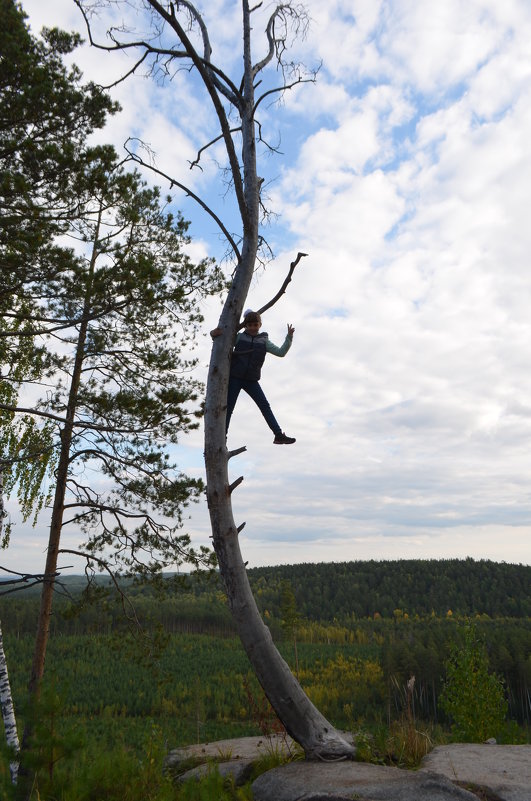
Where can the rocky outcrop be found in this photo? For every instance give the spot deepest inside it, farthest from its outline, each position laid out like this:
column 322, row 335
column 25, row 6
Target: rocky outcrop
column 502, row 772
column 344, row 781
column 239, row 748
column 239, row 770
column 459, row 772
column 230, row 757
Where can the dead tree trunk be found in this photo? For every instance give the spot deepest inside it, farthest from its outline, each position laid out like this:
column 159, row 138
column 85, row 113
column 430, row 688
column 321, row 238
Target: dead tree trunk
column 235, row 100
column 300, row 717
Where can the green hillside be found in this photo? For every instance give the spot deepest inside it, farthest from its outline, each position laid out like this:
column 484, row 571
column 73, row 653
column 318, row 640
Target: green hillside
column 338, row 593
column 416, row 587
column 359, row 633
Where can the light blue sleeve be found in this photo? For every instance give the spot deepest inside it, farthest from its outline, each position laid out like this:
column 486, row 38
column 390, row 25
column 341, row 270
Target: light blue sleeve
column 279, row 351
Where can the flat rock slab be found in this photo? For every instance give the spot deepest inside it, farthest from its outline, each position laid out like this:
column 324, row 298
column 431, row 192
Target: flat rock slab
column 464, row 772
column 504, row 769
column 345, row 781
column 239, row 748
column 239, row 770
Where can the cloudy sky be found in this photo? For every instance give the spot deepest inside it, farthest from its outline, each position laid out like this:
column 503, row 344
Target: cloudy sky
column 405, row 175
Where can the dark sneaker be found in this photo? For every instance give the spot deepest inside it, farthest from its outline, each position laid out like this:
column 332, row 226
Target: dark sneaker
column 282, row 439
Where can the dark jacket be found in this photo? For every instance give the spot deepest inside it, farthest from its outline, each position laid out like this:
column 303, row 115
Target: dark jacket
column 248, row 356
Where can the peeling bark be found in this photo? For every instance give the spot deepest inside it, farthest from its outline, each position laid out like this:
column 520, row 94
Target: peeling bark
column 6, row 699
column 8, row 710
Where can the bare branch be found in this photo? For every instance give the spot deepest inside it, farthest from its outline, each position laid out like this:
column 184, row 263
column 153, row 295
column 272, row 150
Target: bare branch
column 77, row 423
column 212, row 86
column 130, row 72
column 236, row 452
column 221, row 81
column 122, row 45
column 272, row 148
column 282, row 289
column 235, row 484
column 205, row 147
column 125, row 600
column 188, row 192
column 214, row 79
column 195, row 15
column 284, row 14
column 225, row 85
column 284, row 88
column 25, row 580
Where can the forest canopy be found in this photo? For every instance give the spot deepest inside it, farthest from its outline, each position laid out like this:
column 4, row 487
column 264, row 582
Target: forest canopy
column 343, row 592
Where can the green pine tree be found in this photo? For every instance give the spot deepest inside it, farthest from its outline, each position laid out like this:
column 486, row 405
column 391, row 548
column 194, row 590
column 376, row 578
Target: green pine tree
column 46, row 115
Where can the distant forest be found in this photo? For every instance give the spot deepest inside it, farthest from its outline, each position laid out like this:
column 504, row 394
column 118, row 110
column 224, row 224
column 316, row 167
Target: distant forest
column 348, row 590
column 401, row 616
column 328, row 593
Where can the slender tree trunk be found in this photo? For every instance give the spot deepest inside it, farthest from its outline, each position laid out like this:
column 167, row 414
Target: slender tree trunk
column 54, row 538
column 3, row 512
column 8, row 710
column 6, row 699
column 301, row 718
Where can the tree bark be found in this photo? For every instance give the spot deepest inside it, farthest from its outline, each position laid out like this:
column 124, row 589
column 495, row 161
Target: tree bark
column 301, row 718
column 54, row 538
column 8, row 710
column 6, row 699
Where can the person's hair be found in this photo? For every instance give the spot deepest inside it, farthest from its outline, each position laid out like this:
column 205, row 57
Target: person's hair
column 252, row 317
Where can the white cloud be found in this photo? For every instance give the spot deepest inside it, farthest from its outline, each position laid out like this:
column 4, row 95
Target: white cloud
column 407, row 180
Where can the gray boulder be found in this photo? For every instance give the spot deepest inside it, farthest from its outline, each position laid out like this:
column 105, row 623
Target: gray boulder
column 234, row 757
column 504, row 771
column 240, row 771
column 344, row 781
column 228, row 750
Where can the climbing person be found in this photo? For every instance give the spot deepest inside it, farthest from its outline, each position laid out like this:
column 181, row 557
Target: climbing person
column 248, row 357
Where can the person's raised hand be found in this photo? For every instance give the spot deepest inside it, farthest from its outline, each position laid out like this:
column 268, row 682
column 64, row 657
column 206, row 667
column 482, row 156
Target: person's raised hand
column 291, row 330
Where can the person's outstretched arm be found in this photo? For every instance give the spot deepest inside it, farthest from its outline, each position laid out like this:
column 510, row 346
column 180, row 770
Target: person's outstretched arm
column 286, row 345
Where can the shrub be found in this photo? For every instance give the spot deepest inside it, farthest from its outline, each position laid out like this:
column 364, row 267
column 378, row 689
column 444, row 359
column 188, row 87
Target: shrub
column 473, row 698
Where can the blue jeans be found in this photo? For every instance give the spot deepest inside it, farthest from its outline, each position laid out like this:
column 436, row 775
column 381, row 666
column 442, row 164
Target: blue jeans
column 255, row 391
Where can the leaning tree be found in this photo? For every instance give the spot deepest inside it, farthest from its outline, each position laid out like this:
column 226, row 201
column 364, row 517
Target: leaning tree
column 179, row 38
